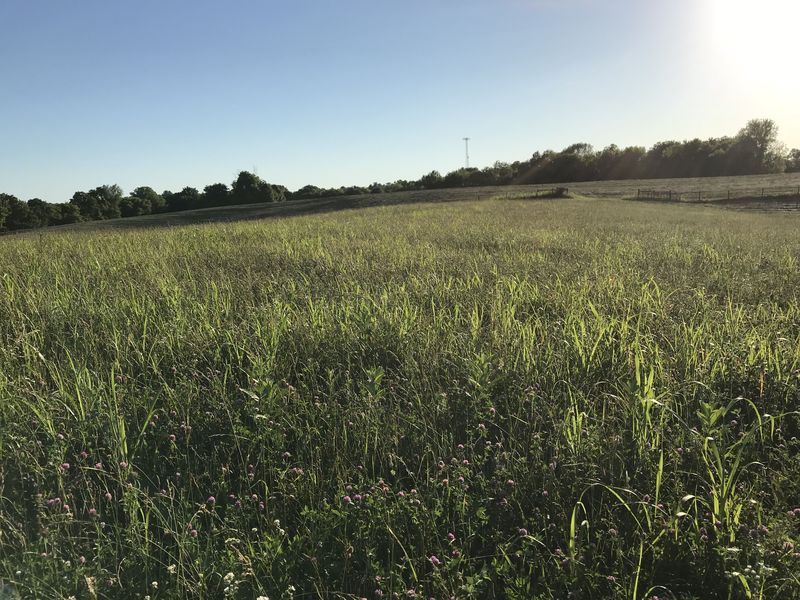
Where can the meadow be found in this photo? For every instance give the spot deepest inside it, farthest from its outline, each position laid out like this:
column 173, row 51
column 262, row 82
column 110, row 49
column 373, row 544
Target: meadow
column 744, row 190
column 500, row 398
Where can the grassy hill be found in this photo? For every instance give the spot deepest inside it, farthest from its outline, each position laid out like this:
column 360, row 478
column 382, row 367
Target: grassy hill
column 585, row 398
column 747, row 188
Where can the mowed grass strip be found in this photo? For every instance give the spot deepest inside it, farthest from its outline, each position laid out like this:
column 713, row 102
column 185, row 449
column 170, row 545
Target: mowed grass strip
column 517, row 399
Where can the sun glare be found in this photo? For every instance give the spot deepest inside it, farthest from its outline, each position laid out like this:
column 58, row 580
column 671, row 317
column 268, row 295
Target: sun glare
column 755, row 41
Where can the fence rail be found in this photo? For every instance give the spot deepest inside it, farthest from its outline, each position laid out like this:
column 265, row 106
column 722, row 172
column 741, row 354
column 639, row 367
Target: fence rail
column 722, row 195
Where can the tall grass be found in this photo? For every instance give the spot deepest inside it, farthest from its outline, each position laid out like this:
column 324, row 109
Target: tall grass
column 512, row 399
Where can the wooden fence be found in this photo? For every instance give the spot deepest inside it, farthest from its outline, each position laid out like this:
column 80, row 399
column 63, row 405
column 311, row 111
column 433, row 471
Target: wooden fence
column 766, row 194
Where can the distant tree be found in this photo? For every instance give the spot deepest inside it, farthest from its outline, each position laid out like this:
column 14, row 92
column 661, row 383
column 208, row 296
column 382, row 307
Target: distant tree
column 109, row 197
column 759, row 149
column 280, row 193
column 793, row 161
column 503, row 172
column 573, row 163
column 250, row 188
column 614, row 163
column 156, row 200
column 19, row 215
column 719, row 160
column 5, row 209
column 100, row 203
column 459, row 178
column 431, row 181
column 308, row 191
column 353, row 190
column 87, row 205
column 65, row 214
column 132, row 206
column 630, row 163
column 187, row 199
column 216, row 194
column 42, row 213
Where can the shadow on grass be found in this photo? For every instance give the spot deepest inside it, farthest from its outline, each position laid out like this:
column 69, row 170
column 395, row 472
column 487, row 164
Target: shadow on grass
column 291, row 208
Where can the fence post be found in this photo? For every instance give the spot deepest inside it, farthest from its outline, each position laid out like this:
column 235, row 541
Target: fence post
column 670, row 194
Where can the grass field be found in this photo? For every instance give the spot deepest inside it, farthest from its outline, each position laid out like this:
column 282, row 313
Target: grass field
column 745, row 187
column 587, row 398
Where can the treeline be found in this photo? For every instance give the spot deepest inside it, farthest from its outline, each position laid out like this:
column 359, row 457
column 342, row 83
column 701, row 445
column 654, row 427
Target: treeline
column 754, row 150
column 109, row 202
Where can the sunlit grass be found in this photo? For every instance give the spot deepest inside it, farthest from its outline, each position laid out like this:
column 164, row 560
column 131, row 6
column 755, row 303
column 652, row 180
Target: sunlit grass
column 486, row 399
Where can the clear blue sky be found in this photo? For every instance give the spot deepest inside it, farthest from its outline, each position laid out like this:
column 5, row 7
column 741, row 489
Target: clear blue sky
column 170, row 93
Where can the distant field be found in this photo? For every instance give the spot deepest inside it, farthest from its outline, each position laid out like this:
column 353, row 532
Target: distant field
column 717, row 186
column 583, row 398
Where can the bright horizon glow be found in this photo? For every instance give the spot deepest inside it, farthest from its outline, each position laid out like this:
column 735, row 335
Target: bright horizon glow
column 190, row 92
column 755, row 41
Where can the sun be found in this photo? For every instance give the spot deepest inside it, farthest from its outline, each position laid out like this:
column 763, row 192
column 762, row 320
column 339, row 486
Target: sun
column 756, row 40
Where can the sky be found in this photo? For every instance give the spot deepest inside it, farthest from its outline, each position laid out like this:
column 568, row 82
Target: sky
column 175, row 93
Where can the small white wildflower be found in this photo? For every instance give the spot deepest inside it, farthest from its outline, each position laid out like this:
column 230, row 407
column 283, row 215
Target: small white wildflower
column 154, row 585
column 172, row 569
column 263, row 598
column 228, row 578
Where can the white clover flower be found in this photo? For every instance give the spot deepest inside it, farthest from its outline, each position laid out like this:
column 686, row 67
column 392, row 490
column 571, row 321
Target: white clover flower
column 229, row 577
column 263, row 598
column 172, row 569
